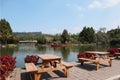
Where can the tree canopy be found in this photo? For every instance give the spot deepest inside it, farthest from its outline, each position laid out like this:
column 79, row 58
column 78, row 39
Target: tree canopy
column 114, row 36
column 87, row 35
column 5, row 30
column 65, row 36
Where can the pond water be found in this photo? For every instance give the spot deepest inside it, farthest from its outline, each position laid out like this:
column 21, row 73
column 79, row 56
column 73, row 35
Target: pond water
column 68, row 54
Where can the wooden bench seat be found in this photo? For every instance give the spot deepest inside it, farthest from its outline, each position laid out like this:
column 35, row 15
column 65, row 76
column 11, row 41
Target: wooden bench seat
column 30, row 67
column 67, row 67
column 97, row 62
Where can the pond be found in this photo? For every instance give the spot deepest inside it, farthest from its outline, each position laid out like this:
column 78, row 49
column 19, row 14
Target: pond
column 68, row 54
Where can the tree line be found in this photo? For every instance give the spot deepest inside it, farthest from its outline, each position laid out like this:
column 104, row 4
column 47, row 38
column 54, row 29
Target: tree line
column 86, row 36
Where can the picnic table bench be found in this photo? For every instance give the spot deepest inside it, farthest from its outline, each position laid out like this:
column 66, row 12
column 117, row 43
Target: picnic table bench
column 31, row 68
column 67, row 67
column 97, row 62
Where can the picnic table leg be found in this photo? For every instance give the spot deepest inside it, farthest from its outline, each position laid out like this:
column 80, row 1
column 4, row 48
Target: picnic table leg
column 53, row 63
column 66, row 73
column 97, row 65
column 110, row 62
column 37, row 76
column 82, row 62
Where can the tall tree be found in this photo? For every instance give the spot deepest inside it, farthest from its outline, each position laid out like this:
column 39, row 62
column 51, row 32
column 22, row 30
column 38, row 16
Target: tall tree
column 42, row 40
column 65, row 36
column 5, row 30
column 57, row 38
column 102, row 37
column 114, row 36
column 87, row 35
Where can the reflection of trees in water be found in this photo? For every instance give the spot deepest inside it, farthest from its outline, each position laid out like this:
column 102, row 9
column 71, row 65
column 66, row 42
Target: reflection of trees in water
column 42, row 48
column 65, row 52
column 102, row 47
column 7, row 51
column 86, row 48
column 56, row 49
column 93, row 48
column 74, row 48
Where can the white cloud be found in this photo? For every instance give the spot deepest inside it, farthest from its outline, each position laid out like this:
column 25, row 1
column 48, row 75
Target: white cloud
column 75, row 7
column 104, row 3
column 79, row 8
column 95, row 4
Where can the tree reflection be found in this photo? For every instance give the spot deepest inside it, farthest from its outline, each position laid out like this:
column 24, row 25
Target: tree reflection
column 65, row 52
column 41, row 48
column 83, row 48
column 7, row 51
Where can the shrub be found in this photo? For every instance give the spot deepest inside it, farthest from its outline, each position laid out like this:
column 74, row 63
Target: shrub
column 113, row 50
column 7, row 64
column 86, row 55
column 31, row 59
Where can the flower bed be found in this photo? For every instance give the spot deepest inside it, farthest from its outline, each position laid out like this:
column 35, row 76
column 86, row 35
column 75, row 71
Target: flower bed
column 113, row 50
column 32, row 58
column 86, row 55
column 7, row 64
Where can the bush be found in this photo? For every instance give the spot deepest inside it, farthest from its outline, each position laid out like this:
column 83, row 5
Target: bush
column 31, row 59
column 115, row 42
column 113, row 50
column 86, row 55
column 7, row 64
column 42, row 40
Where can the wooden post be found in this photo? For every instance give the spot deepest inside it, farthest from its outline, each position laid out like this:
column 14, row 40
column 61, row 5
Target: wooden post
column 82, row 62
column 97, row 65
column 110, row 62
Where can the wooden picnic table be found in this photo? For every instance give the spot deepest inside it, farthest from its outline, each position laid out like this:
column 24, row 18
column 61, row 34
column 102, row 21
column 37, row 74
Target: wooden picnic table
column 49, row 63
column 99, row 58
column 48, row 58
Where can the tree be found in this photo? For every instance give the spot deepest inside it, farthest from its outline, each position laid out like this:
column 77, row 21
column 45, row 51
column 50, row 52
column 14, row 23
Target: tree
column 5, row 30
column 56, row 38
column 114, row 36
column 87, row 35
column 74, row 38
column 65, row 36
column 102, row 37
column 42, row 40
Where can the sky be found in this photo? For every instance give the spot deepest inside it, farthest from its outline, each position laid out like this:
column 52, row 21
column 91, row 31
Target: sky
column 53, row 16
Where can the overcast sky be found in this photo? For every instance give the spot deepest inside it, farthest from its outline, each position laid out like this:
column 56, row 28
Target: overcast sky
column 53, row 16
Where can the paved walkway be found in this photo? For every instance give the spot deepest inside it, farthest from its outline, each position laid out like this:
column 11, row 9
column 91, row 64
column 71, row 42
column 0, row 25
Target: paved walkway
column 86, row 72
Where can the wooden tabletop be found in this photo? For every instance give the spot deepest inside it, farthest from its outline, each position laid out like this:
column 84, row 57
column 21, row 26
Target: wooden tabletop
column 49, row 57
column 97, row 52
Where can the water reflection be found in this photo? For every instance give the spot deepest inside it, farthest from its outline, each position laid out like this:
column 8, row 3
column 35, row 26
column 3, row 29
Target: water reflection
column 67, row 53
column 7, row 51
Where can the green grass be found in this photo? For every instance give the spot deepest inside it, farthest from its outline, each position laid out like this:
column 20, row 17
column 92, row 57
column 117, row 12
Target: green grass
column 12, row 45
